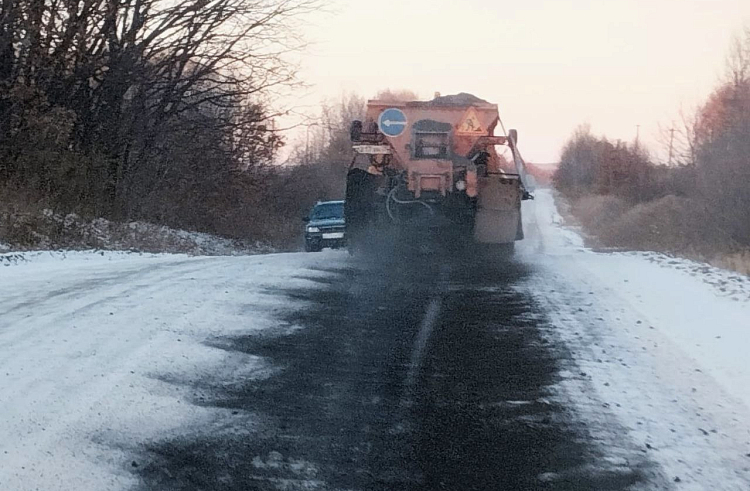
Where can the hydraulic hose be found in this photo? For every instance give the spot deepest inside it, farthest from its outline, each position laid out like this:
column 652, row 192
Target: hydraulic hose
column 392, row 197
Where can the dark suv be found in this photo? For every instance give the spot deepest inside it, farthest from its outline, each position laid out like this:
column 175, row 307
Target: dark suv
column 325, row 226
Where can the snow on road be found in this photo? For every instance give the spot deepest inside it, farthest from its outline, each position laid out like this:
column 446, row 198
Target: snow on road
column 662, row 343
column 89, row 343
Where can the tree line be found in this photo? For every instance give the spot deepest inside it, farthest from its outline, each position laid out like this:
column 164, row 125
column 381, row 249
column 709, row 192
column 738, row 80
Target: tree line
column 708, row 184
column 147, row 109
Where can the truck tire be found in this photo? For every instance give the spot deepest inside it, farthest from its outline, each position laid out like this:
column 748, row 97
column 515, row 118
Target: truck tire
column 507, row 250
column 358, row 206
column 496, row 252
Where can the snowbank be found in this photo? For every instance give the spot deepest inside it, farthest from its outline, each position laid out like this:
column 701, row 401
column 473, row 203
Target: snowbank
column 24, row 231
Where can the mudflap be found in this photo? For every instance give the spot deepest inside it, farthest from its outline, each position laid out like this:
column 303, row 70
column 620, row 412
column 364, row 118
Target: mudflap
column 498, row 215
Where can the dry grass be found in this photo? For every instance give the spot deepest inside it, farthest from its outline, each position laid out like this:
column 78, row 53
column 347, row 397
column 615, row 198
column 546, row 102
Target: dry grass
column 597, row 214
column 670, row 224
column 736, row 261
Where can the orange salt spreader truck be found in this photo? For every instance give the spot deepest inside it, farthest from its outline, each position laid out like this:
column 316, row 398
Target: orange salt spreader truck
column 431, row 170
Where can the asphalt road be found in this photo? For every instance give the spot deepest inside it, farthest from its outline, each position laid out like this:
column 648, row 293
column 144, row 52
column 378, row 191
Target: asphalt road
column 423, row 374
column 561, row 369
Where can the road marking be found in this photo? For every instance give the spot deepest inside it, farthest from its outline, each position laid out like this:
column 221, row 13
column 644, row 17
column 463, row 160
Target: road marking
column 425, row 331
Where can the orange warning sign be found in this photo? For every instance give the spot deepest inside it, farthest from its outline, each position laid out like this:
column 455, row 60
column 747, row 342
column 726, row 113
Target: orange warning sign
column 470, row 125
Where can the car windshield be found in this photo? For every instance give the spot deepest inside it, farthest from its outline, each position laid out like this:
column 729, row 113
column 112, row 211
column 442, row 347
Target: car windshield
column 328, row 211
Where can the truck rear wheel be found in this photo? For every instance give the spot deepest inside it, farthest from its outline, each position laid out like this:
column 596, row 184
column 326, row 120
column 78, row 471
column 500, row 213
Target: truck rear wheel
column 496, row 252
column 358, row 206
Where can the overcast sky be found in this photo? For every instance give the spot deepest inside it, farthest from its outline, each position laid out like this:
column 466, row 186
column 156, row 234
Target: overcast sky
column 550, row 65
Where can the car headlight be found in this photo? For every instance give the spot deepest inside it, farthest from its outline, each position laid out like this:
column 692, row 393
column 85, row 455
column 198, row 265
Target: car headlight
column 313, row 229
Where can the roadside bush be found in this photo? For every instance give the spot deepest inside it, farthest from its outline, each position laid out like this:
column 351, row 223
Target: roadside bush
column 599, row 213
column 736, row 261
column 669, row 224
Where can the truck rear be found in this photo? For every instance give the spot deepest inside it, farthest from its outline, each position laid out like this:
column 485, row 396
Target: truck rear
column 431, row 171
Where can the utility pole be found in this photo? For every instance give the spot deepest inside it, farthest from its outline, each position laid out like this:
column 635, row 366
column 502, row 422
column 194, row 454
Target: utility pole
column 637, row 134
column 671, row 145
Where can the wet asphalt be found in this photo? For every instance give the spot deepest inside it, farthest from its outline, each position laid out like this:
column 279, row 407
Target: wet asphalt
column 418, row 374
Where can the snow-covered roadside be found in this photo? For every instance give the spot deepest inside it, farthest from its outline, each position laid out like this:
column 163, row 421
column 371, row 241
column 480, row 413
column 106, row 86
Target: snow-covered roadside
column 89, row 345
column 45, row 230
column 62, row 258
column 662, row 343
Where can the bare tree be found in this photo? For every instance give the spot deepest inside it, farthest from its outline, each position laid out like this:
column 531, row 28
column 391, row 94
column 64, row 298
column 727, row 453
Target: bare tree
column 737, row 64
column 143, row 108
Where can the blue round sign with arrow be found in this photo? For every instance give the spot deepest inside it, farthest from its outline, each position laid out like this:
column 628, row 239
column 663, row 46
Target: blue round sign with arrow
column 392, row 122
